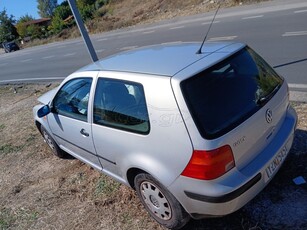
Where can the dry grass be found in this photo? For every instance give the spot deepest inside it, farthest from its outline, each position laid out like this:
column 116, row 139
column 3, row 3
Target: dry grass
column 40, row 191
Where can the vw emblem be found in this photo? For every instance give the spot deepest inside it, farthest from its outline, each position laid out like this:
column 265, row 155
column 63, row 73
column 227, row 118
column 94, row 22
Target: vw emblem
column 269, row 116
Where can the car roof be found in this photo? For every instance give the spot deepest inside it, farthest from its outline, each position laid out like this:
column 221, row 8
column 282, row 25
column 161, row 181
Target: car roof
column 167, row 59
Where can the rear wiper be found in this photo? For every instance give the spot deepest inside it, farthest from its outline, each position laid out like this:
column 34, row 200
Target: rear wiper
column 263, row 100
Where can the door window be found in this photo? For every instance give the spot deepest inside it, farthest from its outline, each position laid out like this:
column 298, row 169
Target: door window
column 72, row 99
column 122, row 105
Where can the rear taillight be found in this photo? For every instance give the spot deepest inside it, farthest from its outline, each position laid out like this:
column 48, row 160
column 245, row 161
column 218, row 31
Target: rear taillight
column 208, row 165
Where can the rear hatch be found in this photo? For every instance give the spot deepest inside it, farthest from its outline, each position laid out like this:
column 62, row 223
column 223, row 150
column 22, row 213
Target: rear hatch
column 240, row 102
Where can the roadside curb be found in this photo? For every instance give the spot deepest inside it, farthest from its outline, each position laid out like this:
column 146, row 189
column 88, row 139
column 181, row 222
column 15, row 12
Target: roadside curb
column 297, row 96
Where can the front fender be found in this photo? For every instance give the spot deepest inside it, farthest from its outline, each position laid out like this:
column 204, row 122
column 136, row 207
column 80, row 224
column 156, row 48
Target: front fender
column 40, row 121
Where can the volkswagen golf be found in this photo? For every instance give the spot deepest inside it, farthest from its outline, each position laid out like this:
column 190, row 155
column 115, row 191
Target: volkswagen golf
column 196, row 134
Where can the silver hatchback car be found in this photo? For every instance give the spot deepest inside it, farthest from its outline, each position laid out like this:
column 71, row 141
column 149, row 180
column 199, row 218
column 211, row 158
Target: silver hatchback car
column 195, row 134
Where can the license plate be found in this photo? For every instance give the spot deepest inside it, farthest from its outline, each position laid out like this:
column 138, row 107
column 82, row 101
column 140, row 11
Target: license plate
column 276, row 162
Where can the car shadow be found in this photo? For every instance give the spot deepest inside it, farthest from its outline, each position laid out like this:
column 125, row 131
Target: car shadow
column 281, row 205
column 67, row 156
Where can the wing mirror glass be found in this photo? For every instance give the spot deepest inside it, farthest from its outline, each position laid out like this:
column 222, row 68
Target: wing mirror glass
column 45, row 110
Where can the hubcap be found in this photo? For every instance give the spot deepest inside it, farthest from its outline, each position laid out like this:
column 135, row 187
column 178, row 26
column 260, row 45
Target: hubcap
column 48, row 141
column 156, row 201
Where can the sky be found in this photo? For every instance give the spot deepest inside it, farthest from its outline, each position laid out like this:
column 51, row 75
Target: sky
column 19, row 8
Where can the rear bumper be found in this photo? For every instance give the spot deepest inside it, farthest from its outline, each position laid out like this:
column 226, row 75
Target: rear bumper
column 236, row 188
column 227, row 197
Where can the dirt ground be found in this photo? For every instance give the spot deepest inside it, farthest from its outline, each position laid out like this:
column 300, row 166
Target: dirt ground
column 40, row 191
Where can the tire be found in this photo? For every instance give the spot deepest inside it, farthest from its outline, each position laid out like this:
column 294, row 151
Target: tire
column 159, row 202
column 52, row 144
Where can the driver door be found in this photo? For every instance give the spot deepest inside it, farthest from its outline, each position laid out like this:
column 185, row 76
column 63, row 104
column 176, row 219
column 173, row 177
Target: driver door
column 69, row 120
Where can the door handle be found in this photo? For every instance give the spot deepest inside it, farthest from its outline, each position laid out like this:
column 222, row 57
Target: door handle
column 84, row 133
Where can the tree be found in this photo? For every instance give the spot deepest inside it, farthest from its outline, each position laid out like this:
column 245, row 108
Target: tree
column 86, row 8
column 57, row 25
column 21, row 27
column 34, row 31
column 87, row 12
column 26, row 18
column 46, row 7
column 62, row 11
column 84, row 3
column 8, row 31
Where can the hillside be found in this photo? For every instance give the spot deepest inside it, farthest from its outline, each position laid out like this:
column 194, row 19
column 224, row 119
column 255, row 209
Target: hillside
column 123, row 13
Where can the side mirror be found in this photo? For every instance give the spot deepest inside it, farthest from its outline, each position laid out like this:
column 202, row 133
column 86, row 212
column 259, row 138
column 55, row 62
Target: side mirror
column 45, row 110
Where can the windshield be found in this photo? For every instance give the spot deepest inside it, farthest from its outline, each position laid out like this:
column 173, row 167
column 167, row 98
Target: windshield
column 223, row 96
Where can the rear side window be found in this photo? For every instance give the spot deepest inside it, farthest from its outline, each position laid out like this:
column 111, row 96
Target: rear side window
column 225, row 95
column 121, row 104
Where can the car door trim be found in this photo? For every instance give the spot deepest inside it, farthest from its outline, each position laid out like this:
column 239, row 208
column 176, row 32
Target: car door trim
column 112, row 162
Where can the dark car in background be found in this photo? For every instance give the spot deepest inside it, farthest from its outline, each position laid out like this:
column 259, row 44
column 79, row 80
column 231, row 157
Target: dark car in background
column 10, row 46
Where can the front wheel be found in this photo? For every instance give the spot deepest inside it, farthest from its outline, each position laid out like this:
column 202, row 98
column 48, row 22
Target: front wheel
column 159, row 202
column 52, row 144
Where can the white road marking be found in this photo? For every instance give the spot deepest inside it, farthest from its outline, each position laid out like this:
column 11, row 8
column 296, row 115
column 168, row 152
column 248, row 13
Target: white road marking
column 60, row 47
column 102, row 39
column 228, row 38
column 124, row 36
column 297, row 86
column 31, row 79
column 296, row 33
column 253, row 17
column 177, row 27
column 27, row 60
column 208, row 23
column 69, row 54
column 128, row 48
column 99, row 51
column 48, row 57
column 297, row 92
column 149, row 32
column 298, row 96
column 170, row 43
column 300, row 11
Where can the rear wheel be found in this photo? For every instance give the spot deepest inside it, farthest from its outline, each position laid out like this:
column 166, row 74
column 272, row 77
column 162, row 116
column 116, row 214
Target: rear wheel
column 52, row 144
column 159, row 202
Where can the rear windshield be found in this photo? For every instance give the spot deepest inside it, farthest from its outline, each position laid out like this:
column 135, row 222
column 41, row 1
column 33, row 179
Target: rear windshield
column 223, row 96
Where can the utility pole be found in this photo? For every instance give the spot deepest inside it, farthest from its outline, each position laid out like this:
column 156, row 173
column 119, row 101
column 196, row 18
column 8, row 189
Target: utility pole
column 85, row 36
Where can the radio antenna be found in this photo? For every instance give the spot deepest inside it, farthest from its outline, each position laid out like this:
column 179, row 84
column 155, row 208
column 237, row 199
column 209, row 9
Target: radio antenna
column 202, row 44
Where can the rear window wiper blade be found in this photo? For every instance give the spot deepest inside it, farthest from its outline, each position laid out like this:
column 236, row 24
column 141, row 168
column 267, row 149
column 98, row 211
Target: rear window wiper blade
column 263, row 100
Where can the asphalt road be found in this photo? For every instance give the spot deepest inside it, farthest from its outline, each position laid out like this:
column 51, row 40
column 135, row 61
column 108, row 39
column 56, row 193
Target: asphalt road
column 276, row 29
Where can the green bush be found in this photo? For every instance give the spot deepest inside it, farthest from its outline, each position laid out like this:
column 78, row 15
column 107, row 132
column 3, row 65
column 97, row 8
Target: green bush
column 87, row 12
